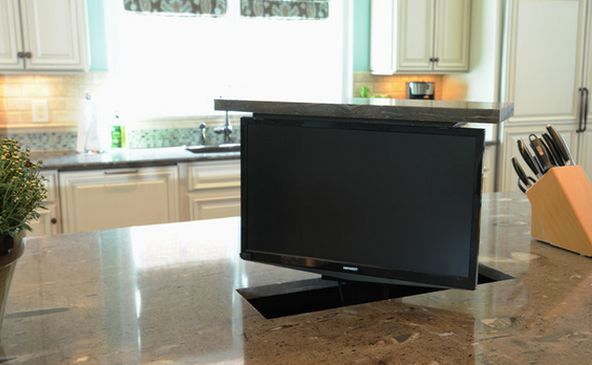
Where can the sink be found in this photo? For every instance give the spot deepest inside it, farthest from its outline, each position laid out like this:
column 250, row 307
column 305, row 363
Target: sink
column 225, row 147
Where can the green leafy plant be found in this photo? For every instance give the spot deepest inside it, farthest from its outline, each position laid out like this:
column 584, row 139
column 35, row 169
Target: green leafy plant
column 22, row 189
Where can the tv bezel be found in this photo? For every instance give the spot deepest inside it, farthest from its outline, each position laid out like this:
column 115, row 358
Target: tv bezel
column 342, row 270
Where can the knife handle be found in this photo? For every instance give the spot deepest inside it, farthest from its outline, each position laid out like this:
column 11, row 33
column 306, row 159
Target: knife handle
column 528, row 158
column 540, row 153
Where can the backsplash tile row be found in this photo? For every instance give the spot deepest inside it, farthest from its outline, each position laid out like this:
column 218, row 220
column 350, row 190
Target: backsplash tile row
column 45, row 141
column 142, row 138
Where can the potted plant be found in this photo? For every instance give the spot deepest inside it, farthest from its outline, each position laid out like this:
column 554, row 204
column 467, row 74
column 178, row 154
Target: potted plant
column 22, row 191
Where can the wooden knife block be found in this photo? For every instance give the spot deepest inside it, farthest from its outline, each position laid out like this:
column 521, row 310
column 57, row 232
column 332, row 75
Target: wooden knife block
column 561, row 204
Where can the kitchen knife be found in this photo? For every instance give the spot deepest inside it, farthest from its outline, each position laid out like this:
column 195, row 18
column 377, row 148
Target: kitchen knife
column 524, row 182
column 528, row 158
column 561, row 145
column 553, row 150
column 540, row 153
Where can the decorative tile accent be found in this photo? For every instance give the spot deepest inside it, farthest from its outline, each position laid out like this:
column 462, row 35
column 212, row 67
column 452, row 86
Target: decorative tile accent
column 177, row 7
column 47, row 141
column 289, row 9
column 153, row 138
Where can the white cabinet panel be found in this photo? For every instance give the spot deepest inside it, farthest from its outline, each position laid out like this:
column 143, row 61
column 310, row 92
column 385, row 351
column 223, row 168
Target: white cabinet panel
column 544, row 66
column 215, row 203
column 210, row 189
column 10, row 35
column 419, row 36
column 55, row 32
column 415, row 32
column 452, row 29
column 488, row 181
column 101, row 199
column 214, row 174
column 585, row 152
column 47, row 224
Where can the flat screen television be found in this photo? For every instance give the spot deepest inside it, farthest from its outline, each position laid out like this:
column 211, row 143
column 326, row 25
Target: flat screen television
column 365, row 201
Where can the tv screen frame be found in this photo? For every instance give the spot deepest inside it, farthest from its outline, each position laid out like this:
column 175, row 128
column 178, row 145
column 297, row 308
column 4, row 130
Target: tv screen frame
column 354, row 271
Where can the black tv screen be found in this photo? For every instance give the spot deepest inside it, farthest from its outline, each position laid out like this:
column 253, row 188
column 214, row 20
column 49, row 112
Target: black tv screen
column 361, row 200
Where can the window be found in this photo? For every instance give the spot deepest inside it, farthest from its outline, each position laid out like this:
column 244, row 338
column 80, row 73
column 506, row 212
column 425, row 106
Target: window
column 167, row 66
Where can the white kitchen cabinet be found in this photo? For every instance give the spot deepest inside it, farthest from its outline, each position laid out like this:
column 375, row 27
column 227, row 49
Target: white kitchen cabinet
column 419, row 36
column 10, row 36
column 43, row 35
column 211, row 189
column 488, row 181
column 543, row 74
column 49, row 219
column 99, row 199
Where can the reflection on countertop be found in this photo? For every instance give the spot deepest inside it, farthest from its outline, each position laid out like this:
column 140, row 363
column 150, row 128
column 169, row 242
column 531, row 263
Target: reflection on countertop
column 166, row 294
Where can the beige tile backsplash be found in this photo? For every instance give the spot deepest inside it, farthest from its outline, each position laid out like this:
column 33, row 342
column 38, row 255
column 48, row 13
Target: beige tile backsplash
column 62, row 92
column 393, row 86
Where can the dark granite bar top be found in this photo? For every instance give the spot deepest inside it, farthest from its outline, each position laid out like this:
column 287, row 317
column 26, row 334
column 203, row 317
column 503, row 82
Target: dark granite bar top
column 166, row 294
column 125, row 158
column 433, row 111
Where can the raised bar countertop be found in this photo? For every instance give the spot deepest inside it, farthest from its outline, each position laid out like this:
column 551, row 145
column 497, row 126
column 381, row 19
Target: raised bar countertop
column 432, row 111
column 125, row 158
column 166, row 294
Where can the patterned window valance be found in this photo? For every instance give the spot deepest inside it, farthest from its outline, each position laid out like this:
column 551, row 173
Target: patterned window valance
column 290, row 9
column 177, row 7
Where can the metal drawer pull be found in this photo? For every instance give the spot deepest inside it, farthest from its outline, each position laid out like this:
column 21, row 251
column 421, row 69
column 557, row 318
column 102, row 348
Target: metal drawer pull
column 121, row 172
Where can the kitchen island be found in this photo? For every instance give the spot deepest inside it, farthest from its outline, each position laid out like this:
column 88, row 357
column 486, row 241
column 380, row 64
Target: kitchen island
column 166, row 294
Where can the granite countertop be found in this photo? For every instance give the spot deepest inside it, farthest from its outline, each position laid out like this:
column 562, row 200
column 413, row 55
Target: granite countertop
column 166, row 294
column 118, row 158
column 432, row 111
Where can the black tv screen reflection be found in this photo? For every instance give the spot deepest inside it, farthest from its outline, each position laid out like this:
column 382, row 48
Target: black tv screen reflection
column 363, row 201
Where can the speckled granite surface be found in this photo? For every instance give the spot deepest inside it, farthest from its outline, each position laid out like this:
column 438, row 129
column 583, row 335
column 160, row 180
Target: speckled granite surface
column 432, row 111
column 166, row 295
column 117, row 158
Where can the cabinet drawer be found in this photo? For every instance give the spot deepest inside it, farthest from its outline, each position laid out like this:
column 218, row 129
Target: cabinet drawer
column 213, row 174
column 102, row 199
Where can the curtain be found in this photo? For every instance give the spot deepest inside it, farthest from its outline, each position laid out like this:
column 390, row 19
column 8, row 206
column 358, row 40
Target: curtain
column 178, row 7
column 289, row 9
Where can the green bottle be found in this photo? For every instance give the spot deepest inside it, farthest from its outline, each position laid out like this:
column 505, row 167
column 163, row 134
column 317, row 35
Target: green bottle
column 117, row 134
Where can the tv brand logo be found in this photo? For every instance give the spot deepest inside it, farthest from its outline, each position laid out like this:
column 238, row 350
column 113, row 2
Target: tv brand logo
column 350, row 268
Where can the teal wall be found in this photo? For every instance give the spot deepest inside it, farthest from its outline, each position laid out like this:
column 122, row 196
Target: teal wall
column 97, row 35
column 361, row 35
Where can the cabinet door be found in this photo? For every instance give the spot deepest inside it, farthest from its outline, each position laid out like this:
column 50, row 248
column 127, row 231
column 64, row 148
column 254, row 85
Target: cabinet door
column 415, row 28
column 92, row 200
column 544, row 63
column 47, row 224
column 55, row 32
column 10, row 36
column 451, row 35
column 214, row 203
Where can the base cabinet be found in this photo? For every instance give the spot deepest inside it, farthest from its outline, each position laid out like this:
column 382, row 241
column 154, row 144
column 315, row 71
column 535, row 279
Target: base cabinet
column 101, row 199
column 49, row 218
column 211, row 189
column 214, row 203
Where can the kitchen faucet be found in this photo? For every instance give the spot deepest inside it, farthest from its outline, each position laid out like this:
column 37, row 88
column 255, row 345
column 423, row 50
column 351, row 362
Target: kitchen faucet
column 226, row 129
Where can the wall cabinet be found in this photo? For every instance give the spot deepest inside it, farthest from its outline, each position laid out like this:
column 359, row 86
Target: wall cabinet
column 43, row 35
column 99, row 199
column 49, row 220
column 547, row 70
column 211, row 189
column 419, row 36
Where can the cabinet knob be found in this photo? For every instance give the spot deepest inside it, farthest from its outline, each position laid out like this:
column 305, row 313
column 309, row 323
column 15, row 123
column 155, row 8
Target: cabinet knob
column 28, row 55
column 437, row 59
column 53, row 220
column 20, row 54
